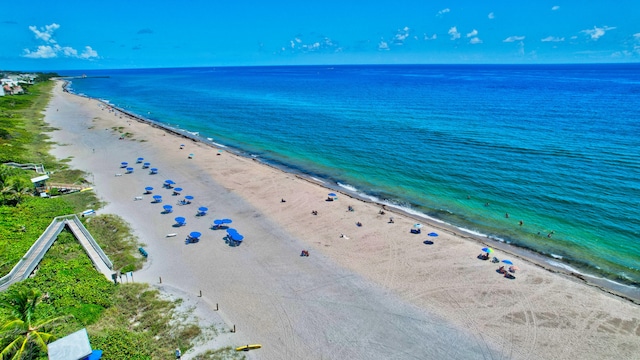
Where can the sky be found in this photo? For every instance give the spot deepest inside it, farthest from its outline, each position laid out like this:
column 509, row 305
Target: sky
column 75, row 35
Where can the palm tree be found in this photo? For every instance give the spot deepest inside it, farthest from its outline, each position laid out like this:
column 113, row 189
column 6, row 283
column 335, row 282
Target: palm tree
column 23, row 335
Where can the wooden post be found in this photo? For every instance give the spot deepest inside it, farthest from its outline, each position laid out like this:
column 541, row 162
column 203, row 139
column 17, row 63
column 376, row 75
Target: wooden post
column 216, row 306
column 160, row 279
column 200, row 293
column 234, row 328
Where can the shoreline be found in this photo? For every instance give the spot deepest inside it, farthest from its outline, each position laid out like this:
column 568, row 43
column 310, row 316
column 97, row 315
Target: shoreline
column 374, row 293
column 612, row 287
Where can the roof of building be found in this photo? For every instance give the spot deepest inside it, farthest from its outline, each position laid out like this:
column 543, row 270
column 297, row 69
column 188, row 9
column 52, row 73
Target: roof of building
column 75, row 346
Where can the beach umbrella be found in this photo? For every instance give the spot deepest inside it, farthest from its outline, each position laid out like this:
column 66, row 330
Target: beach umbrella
column 124, row 164
column 432, row 234
column 195, row 234
column 178, row 189
column 508, row 262
column 153, row 171
column 488, row 250
column 146, row 165
column 218, row 222
column 226, row 221
column 236, row 237
column 169, row 182
column 191, row 156
column 232, row 231
column 139, row 160
column 129, row 169
column 168, row 208
column 157, row 198
column 203, row 209
column 332, row 194
column 180, row 220
column 418, row 226
column 188, row 197
column 148, row 189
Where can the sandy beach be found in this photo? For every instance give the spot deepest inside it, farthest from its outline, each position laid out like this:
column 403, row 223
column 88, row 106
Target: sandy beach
column 374, row 291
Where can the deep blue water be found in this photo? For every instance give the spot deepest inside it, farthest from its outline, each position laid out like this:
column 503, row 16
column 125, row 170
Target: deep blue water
column 556, row 146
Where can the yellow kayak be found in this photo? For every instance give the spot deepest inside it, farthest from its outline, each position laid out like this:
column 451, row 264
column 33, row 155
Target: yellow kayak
column 248, row 347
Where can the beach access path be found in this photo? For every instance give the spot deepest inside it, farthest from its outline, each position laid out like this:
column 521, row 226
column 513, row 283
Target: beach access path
column 379, row 293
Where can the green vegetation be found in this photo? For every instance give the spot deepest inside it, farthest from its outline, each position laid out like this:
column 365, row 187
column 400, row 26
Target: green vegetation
column 127, row 321
column 117, row 241
column 24, row 331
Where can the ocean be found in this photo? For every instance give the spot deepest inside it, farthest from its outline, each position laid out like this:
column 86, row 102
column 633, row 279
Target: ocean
column 544, row 157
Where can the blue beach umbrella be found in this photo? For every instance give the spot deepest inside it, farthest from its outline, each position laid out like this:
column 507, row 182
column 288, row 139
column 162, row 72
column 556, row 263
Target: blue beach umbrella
column 153, row 171
column 203, row 209
column 188, row 197
column 157, row 198
column 139, row 160
column 148, row 189
column 180, row 220
column 236, row 237
column 508, row 262
column 129, row 170
column 124, row 164
column 217, row 222
column 488, row 250
column 169, row 182
column 195, row 234
column 232, row 231
column 177, row 190
column 146, row 165
column 432, row 234
column 332, row 194
column 168, row 208
column 226, row 221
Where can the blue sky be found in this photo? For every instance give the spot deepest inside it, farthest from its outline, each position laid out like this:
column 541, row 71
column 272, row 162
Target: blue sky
column 74, row 34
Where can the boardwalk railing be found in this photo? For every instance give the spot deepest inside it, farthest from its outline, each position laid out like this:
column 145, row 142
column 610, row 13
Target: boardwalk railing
column 92, row 241
column 34, row 255
column 39, row 168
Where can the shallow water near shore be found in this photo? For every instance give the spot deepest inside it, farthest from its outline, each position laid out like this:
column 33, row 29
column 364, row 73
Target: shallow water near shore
column 552, row 146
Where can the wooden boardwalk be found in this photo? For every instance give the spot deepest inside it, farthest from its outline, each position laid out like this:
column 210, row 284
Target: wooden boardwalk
column 34, row 255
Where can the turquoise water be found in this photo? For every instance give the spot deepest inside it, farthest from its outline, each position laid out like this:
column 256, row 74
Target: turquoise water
column 556, row 147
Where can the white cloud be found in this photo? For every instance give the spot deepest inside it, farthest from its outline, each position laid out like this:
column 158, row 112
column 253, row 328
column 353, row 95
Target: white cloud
column 68, row 51
column 554, row 8
column 54, row 50
column 432, row 37
column 491, row 15
column 45, row 34
column 596, row 33
column 552, row 39
column 383, row 45
column 401, row 36
column 443, row 11
column 454, row 33
column 43, row 52
column 475, row 40
column 513, row 39
column 473, row 33
column 88, row 53
column 636, row 36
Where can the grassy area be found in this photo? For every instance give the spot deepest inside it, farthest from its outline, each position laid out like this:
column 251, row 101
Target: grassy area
column 22, row 128
column 114, row 236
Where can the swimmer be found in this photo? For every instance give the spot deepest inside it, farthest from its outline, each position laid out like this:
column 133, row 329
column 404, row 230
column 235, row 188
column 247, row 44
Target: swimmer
column 506, row 215
column 521, row 222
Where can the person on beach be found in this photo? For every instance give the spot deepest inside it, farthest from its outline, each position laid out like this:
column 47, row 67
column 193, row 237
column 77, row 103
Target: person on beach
column 391, row 220
column 178, row 353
